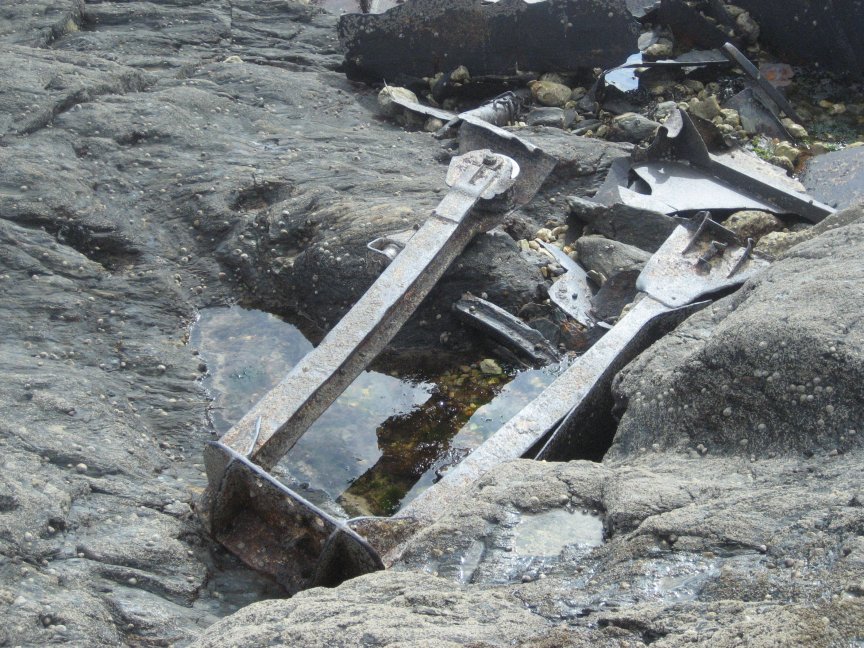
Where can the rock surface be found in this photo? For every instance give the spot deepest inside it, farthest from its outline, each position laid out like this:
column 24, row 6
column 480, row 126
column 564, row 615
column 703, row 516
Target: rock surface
column 160, row 157
column 773, row 370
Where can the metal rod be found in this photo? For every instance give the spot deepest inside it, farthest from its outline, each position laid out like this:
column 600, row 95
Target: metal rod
column 753, row 72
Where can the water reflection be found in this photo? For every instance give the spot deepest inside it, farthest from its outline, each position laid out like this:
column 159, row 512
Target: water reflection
column 386, row 438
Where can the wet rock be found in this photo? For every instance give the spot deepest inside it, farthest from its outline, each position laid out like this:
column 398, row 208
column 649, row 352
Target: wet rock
column 556, row 117
column 787, row 151
column 609, row 257
column 388, row 609
column 806, row 33
column 779, row 355
column 664, row 109
column 632, row 127
column 747, row 27
column 490, row 367
column 664, row 517
column 707, row 108
column 640, row 228
column 663, row 48
column 836, row 178
column 776, row 244
column 575, row 36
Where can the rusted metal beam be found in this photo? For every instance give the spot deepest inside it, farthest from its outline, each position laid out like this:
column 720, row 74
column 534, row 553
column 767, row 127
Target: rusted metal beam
column 288, row 409
column 678, row 274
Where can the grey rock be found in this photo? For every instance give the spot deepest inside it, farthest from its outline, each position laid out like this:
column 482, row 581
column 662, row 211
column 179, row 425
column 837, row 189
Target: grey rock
column 387, row 609
column 690, row 554
column 555, row 117
column 778, row 363
column 805, row 33
column 641, row 228
column 836, row 178
column 776, row 244
column 550, row 93
column 753, row 224
column 609, row 257
column 632, row 127
column 575, row 36
column 664, row 109
column 707, row 108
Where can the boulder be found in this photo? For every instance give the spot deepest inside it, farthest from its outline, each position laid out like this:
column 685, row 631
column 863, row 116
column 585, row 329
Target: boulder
column 775, row 369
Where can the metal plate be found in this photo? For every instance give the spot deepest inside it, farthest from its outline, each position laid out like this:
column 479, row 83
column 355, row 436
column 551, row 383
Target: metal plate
column 685, row 188
column 277, row 532
column 675, row 276
column 571, row 292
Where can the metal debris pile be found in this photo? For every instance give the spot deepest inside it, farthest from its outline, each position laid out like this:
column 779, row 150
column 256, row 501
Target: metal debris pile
column 692, row 197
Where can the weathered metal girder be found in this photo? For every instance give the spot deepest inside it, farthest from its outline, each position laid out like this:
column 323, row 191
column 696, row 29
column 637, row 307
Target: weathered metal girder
column 288, row 410
column 423, row 37
column 249, row 511
column 506, row 328
column 698, row 259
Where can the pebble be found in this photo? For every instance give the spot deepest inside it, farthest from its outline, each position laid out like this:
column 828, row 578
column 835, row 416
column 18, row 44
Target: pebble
column 633, row 127
column 545, row 235
column 433, row 124
column 707, row 108
column 794, row 129
column 489, row 367
column 388, row 94
column 786, row 150
column 661, row 49
column 81, row 468
column 550, row 93
column 747, row 27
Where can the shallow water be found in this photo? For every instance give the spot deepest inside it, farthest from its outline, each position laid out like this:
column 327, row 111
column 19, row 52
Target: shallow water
column 546, row 534
column 385, row 439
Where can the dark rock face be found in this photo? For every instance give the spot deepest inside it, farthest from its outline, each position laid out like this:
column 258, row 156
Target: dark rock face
column 836, row 178
column 804, row 32
column 420, row 39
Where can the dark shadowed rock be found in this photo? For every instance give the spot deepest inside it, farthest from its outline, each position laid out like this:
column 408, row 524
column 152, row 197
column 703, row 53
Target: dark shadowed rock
column 501, row 38
column 632, row 127
column 641, row 228
column 803, row 32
